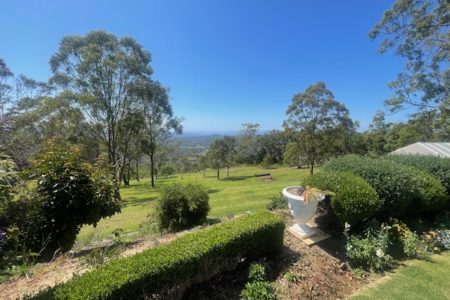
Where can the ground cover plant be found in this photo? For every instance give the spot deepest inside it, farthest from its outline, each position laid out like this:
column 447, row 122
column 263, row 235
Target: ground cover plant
column 165, row 269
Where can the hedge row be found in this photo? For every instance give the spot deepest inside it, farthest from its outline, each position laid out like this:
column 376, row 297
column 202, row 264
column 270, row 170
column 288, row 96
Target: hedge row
column 353, row 199
column 192, row 258
column 403, row 190
column 436, row 166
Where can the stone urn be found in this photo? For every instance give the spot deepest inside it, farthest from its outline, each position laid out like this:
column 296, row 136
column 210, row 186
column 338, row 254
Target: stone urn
column 303, row 207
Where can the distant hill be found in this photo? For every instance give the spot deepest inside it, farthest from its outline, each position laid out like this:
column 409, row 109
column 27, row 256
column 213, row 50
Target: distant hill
column 196, row 143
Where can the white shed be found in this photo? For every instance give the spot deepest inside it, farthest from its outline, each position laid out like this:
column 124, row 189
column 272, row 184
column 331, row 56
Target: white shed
column 434, row 149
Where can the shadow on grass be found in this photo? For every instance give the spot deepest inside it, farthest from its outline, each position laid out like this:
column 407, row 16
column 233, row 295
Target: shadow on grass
column 212, row 191
column 133, row 201
column 236, row 178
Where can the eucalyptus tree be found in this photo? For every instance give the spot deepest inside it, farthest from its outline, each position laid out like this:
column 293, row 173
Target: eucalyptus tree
column 316, row 118
column 5, row 87
column 418, row 30
column 248, row 145
column 230, row 152
column 161, row 122
column 217, row 155
column 99, row 71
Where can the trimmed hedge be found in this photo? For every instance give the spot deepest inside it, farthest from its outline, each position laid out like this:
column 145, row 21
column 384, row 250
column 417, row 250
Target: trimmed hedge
column 403, row 189
column 192, row 258
column 436, row 166
column 431, row 195
column 354, row 200
column 394, row 183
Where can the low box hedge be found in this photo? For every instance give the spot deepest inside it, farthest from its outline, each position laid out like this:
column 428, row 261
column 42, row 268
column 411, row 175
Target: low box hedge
column 192, row 258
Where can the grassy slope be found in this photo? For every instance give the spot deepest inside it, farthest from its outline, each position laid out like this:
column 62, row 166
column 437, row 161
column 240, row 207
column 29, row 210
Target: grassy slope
column 417, row 280
column 239, row 193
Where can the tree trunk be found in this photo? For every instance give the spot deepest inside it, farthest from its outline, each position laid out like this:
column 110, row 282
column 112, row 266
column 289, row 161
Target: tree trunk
column 218, row 173
column 152, row 169
column 311, row 169
column 137, row 170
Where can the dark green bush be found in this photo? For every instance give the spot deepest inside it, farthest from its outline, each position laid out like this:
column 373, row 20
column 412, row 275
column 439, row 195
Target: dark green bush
column 182, row 205
column 436, row 166
column 167, row 170
column 67, row 196
column 395, row 184
column 192, row 258
column 353, row 199
column 431, row 194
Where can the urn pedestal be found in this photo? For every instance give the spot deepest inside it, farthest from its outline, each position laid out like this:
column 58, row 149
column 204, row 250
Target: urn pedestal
column 303, row 209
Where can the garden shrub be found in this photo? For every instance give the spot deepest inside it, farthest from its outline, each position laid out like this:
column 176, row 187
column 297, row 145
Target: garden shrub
column 182, row 205
column 353, row 200
column 167, row 170
column 369, row 250
column 431, row 194
column 192, row 258
column 277, row 202
column 257, row 287
column 410, row 243
column 258, row 290
column 395, row 184
column 67, row 196
column 437, row 166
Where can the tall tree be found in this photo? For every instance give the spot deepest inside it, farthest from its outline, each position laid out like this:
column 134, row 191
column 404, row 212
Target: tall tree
column 247, row 143
column 418, row 30
column 317, row 118
column 230, row 152
column 217, row 155
column 5, row 87
column 99, row 71
column 161, row 122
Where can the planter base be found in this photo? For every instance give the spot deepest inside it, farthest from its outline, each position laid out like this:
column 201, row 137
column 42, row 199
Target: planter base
column 302, row 231
column 317, row 236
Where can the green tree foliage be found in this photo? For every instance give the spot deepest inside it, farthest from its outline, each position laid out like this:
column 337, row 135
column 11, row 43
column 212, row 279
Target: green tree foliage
column 160, row 121
column 316, row 119
column 248, row 146
column 68, row 195
column 217, row 155
column 100, row 71
column 418, row 30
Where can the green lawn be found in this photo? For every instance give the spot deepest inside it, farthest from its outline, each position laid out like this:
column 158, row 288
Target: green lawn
column 417, row 280
column 239, row 193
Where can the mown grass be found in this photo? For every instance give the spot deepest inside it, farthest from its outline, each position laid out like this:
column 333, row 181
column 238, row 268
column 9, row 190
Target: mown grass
column 416, row 280
column 239, row 193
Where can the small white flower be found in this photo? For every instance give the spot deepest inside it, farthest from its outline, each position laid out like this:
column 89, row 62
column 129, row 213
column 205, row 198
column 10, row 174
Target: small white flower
column 380, row 253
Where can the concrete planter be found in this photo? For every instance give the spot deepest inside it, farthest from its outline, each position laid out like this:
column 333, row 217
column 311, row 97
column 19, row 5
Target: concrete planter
column 301, row 210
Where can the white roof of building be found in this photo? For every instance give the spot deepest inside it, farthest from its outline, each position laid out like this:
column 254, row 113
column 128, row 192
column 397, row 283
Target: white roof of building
column 434, row 149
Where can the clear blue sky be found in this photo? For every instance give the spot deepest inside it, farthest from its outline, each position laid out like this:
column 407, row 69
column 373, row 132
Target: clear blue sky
column 226, row 62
